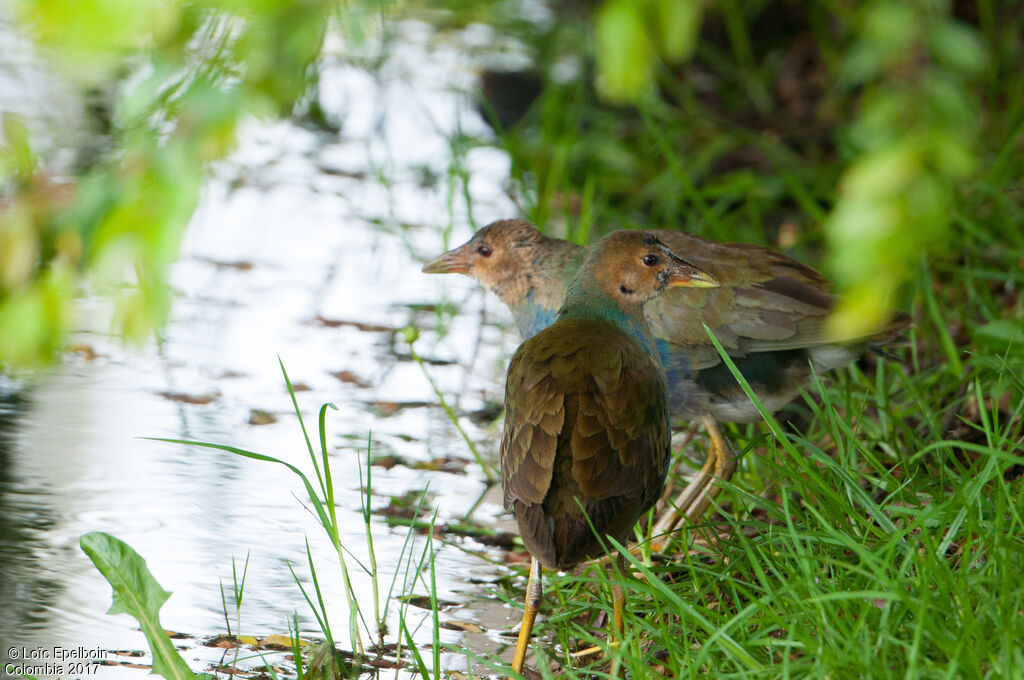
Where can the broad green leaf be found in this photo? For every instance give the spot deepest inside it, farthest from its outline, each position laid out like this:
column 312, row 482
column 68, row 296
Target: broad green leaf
column 137, row 593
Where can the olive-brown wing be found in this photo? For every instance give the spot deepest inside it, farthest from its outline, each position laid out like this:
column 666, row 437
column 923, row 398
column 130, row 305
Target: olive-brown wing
column 765, row 302
column 586, row 438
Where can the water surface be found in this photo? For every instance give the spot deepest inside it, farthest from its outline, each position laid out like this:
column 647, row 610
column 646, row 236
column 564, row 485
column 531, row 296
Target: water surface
column 306, row 246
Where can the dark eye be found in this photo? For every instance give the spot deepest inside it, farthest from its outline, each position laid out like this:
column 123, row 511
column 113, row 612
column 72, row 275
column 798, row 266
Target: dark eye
column 484, row 250
column 650, row 259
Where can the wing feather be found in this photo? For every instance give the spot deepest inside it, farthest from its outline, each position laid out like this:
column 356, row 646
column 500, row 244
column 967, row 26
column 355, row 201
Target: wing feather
column 591, row 431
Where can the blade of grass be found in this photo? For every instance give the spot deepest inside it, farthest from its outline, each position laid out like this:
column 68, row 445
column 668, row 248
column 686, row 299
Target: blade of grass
column 411, row 334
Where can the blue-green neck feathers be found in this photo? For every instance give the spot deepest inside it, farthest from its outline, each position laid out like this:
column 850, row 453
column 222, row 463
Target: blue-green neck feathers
column 586, row 300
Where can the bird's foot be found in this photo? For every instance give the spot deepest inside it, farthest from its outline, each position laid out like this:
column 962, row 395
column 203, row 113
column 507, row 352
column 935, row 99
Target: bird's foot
column 698, row 494
column 593, row 651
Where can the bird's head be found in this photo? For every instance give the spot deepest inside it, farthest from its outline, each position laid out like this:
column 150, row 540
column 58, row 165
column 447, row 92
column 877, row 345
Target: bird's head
column 632, row 267
column 497, row 254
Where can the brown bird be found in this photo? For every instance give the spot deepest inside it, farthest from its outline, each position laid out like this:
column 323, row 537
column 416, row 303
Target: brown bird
column 768, row 311
column 585, row 448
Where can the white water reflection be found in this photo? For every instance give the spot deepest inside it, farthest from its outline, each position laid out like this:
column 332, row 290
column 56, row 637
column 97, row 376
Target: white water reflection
column 298, row 225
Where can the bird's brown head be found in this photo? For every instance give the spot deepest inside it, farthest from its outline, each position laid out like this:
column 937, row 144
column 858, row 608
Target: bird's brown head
column 494, row 249
column 632, row 267
column 504, row 257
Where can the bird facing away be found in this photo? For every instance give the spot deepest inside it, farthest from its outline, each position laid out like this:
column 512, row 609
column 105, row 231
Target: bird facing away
column 586, row 443
column 768, row 311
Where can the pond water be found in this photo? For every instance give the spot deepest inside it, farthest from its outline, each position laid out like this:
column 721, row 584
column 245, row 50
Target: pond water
column 307, row 246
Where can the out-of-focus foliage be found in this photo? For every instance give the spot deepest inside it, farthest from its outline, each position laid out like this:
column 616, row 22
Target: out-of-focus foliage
column 183, row 74
column 914, row 137
column 633, row 34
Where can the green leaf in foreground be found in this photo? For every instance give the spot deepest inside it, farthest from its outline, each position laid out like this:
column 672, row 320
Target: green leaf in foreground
column 137, row 593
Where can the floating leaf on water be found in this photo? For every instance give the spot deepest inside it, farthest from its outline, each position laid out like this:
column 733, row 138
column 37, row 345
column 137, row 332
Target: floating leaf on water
column 350, row 378
column 464, row 626
column 388, row 462
column 241, row 265
column 387, row 664
column 83, row 350
column 443, row 464
column 282, row 642
column 231, row 670
column 183, row 398
column 423, row 602
column 367, row 327
column 390, row 408
column 222, row 642
column 488, row 414
column 261, row 417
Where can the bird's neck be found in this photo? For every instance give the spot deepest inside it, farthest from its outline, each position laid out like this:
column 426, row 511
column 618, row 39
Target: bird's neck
column 531, row 317
column 536, row 295
column 583, row 301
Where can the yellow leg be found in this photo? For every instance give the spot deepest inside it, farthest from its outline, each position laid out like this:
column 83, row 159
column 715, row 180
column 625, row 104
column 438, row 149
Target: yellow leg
column 534, row 594
column 618, row 610
column 619, row 598
column 725, row 465
column 696, row 497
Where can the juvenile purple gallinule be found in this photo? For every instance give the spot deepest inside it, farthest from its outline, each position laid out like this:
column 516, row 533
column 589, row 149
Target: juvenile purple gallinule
column 586, row 443
column 769, row 313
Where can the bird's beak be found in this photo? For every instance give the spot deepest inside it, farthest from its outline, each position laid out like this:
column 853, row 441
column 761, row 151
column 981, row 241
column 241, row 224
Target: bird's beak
column 455, row 261
column 684, row 274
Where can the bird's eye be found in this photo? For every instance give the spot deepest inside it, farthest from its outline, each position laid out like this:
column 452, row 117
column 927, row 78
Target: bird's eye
column 650, row 259
column 484, row 250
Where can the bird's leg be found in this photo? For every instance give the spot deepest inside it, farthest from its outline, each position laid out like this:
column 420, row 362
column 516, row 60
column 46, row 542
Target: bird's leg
column 619, row 597
column 678, row 446
column 618, row 610
column 725, row 465
column 534, row 595
column 696, row 497
column 668, row 521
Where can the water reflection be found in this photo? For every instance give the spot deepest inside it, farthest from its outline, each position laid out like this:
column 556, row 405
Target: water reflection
column 25, row 513
column 307, row 245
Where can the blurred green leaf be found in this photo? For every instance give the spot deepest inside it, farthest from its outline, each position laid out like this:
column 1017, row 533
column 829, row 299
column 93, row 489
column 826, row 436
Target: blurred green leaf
column 676, row 23
column 16, row 158
column 184, row 74
column 19, row 247
column 958, row 47
column 634, row 36
column 915, row 138
column 34, row 318
column 625, row 54
column 102, row 31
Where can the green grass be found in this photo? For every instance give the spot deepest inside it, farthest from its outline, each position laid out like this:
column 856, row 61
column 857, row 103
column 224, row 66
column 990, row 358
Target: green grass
column 874, row 528
column 856, row 544
column 367, row 616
